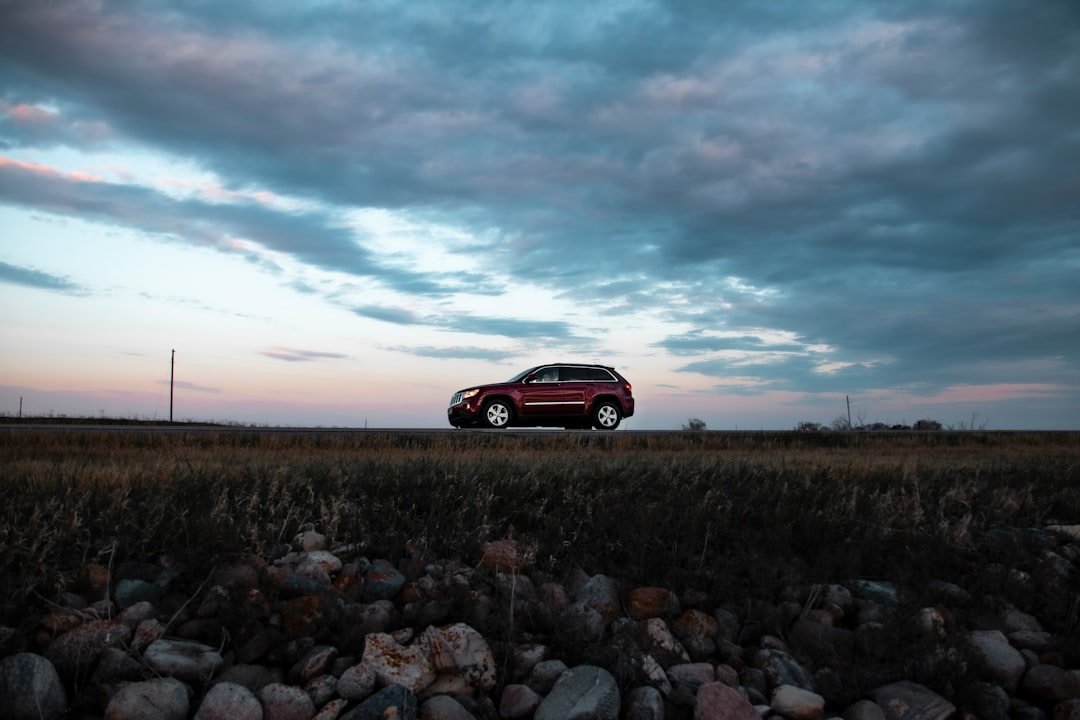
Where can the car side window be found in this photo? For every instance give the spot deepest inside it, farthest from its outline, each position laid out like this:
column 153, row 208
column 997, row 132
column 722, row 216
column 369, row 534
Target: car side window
column 547, row 375
column 575, row 373
column 600, row 375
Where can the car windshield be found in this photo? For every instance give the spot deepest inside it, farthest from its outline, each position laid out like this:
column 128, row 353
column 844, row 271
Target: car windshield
column 521, row 375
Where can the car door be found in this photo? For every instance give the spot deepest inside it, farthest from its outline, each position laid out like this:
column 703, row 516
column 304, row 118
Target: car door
column 575, row 387
column 546, row 395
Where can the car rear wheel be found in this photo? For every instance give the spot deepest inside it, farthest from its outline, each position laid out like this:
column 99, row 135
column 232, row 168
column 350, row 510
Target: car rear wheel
column 606, row 416
column 497, row 414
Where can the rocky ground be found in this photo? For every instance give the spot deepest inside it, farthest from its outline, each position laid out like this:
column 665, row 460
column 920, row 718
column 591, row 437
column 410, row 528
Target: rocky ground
column 312, row 631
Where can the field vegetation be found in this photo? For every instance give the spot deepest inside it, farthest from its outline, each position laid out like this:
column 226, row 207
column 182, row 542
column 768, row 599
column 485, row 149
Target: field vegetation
column 735, row 515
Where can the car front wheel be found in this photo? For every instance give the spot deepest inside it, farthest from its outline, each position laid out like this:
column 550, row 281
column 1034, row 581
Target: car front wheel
column 606, row 416
column 497, row 414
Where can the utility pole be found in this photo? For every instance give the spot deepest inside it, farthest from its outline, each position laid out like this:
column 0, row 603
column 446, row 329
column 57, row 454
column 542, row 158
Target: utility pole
column 848, row 399
column 172, row 378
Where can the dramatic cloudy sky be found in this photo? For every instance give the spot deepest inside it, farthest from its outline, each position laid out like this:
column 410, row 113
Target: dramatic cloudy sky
column 338, row 213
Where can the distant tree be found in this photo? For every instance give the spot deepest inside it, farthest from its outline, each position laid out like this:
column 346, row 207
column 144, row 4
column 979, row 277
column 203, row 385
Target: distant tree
column 926, row 425
column 808, row 426
column 841, row 423
column 694, row 425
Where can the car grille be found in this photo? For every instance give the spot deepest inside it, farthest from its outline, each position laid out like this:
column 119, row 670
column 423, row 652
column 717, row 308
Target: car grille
column 455, row 399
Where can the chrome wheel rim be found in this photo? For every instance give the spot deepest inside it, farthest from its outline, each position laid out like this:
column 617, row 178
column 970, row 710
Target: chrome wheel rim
column 607, row 416
column 498, row 415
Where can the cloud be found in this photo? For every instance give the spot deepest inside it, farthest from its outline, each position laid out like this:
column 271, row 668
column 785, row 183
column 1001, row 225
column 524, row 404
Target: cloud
column 37, row 279
column 483, row 325
column 457, row 352
column 297, row 355
column 184, row 385
column 395, row 316
column 248, row 229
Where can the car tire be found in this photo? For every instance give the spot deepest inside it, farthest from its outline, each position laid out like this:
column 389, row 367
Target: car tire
column 497, row 414
column 606, row 415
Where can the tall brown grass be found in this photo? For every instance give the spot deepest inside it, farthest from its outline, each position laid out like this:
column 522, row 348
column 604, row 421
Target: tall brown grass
column 732, row 514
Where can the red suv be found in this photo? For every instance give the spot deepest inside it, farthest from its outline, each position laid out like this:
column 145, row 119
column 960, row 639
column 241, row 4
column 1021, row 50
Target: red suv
column 563, row 394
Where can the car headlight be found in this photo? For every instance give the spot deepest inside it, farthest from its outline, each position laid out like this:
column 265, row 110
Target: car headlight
column 469, row 393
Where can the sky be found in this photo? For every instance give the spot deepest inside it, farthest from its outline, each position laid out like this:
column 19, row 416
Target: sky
column 336, row 214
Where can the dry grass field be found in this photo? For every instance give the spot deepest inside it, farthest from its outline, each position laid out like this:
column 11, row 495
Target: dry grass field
column 735, row 515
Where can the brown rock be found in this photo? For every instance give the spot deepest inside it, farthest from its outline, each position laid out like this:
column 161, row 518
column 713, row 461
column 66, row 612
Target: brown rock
column 651, row 602
column 506, row 556
column 717, row 701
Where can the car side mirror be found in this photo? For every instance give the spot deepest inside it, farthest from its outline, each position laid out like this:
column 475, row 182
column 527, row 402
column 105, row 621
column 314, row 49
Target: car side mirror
column 530, row 378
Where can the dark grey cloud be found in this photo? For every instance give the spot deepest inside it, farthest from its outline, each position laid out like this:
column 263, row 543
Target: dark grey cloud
column 893, row 189
column 457, row 352
column 29, row 277
column 483, row 325
column 395, row 316
column 312, row 238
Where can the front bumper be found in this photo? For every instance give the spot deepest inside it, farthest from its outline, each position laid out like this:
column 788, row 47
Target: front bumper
column 462, row 415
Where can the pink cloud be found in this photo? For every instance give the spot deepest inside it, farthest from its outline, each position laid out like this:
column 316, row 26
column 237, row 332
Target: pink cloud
column 994, row 393
column 45, row 170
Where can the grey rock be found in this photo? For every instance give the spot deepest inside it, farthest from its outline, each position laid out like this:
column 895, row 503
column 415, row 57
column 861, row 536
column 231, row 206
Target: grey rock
column 392, row 701
column 356, row 683
column 864, row 710
column 644, row 703
column 383, row 581
column 662, row 644
column 365, row 618
column 518, row 701
column 136, row 613
column 253, row 677
column 1050, row 683
column 877, row 591
column 996, row 659
column 906, row 700
column 693, row 675
column 315, row 662
column 78, row 650
column 229, row 701
column 332, row 709
column 795, row 703
column 1038, row 642
column 727, row 625
column 585, row 692
column 545, row 674
column 115, row 665
column 989, row 701
column 321, row 689
column 285, row 702
column 444, row 707
column 782, row 669
column 183, row 659
column 157, row 699
column 310, row 541
column 599, row 593
column 30, row 688
column 525, row 658
column 132, row 591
